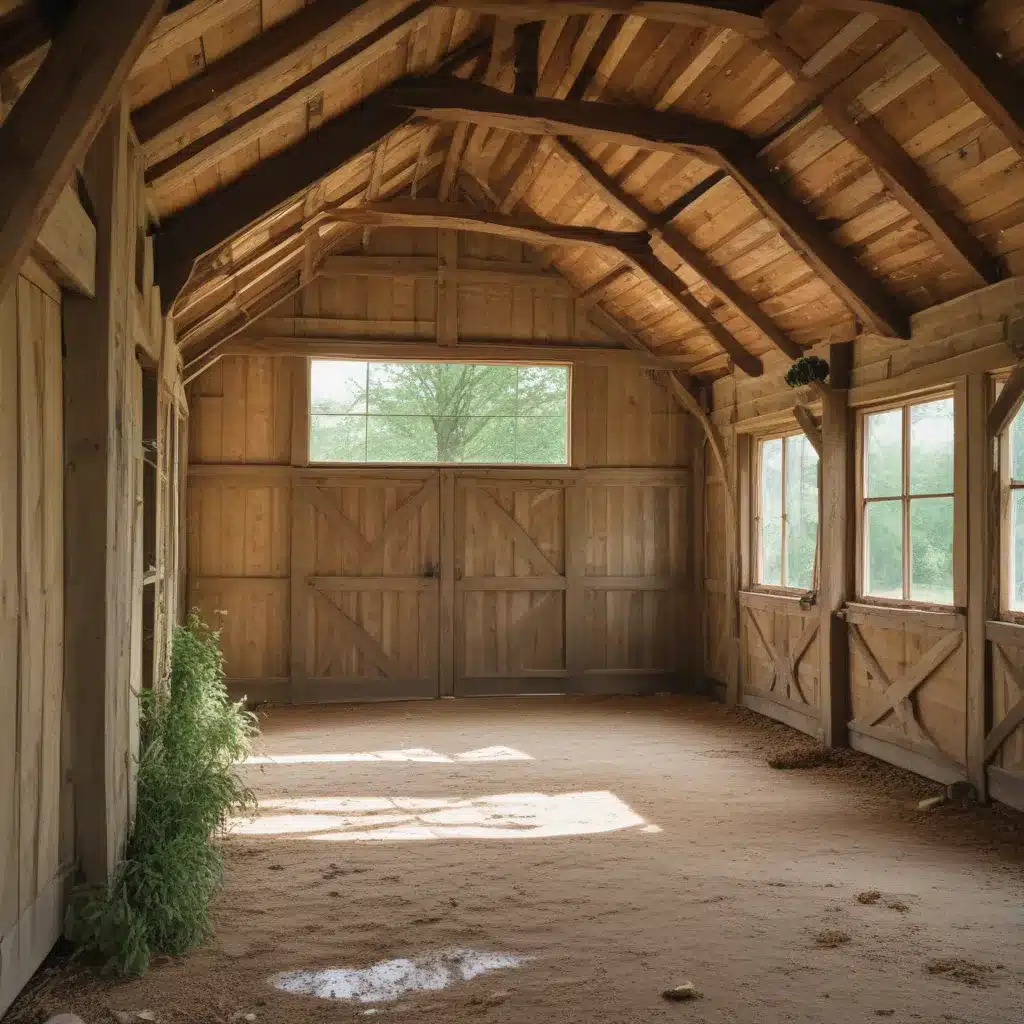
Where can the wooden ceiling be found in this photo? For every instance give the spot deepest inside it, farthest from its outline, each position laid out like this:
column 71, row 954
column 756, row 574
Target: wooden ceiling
column 757, row 176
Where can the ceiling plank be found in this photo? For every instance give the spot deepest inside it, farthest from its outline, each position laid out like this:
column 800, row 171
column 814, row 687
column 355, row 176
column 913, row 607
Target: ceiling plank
column 197, row 229
column 739, row 15
column 719, row 282
column 53, row 123
column 190, row 21
column 908, row 182
column 254, row 72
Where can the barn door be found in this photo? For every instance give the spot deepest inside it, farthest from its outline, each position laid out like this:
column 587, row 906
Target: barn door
column 510, row 585
column 366, row 624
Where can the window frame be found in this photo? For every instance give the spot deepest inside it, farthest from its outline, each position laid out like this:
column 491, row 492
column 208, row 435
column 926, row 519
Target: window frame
column 758, row 443
column 446, row 358
column 958, row 393
column 1005, row 521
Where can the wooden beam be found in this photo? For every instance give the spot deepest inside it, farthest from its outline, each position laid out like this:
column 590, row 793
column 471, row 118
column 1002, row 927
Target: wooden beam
column 739, row 15
column 643, row 128
column 186, row 235
column 253, row 123
column 67, row 245
column 185, row 24
column 455, row 100
column 527, row 58
column 248, row 74
column 60, row 112
column 716, row 278
column 807, row 423
column 835, row 531
column 666, row 279
column 869, row 300
column 1007, row 403
column 253, row 342
column 425, row 213
column 907, row 181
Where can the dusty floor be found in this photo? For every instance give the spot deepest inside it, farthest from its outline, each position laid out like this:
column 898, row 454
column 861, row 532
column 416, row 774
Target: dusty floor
column 713, row 868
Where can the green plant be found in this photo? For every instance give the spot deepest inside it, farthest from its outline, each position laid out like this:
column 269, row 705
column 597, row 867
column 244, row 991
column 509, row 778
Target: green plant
column 191, row 738
column 808, row 370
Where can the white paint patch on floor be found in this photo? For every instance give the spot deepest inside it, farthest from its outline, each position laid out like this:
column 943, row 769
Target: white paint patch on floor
column 391, row 979
column 416, row 755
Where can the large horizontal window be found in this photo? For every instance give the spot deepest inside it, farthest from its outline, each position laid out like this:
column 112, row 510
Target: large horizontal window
column 438, row 413
column 787, row 501
column 908, row 510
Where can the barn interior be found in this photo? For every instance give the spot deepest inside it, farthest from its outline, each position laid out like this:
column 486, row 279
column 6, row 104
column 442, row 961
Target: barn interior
column 563, row 410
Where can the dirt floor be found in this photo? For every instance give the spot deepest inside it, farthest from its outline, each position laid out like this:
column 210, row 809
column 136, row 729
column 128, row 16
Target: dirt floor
column 621, row 847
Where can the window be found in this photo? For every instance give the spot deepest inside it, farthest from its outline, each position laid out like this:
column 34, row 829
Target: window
column 1015, row 466
column 787, row 529
column 908, row 502
column 438, row 413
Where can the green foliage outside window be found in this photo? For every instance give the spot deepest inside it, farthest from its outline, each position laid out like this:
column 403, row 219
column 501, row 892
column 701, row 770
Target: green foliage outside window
column 438, row 413
column 908, row 484
column 788, row 512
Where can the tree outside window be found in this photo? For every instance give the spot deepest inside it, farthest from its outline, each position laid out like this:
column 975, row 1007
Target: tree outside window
column 787, row 530
column 438, row 413
column 908, row 507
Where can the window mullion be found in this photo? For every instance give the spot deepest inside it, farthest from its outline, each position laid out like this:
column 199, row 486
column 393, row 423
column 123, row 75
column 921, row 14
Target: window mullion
column 905, row 504
column 782, row 497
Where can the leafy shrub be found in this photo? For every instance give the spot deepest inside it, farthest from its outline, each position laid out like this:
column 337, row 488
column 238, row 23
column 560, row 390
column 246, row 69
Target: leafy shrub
column 191, row 737
column 807, row 370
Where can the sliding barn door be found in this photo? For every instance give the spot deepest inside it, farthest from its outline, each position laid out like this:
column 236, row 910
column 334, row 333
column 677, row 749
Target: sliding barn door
column 365, row 596
column 510, row 584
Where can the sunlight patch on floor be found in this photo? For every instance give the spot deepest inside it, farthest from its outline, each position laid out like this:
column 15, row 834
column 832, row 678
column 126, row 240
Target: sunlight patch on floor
column 391, row 979
column 420, row 755
column 505, row 816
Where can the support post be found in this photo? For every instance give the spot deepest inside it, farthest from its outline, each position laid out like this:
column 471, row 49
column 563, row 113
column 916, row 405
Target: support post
column 980, row 500
column 97, row 358
column 836, row 588
column 300, row 536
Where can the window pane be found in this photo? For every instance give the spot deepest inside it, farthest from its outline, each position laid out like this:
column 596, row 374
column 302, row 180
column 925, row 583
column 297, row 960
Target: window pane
column 337, row 438
column 801, row 511
column 438, row 412
column 884, row 461
column 883, row 540
column 771, row 512
column 337, row 386
column 1017, row 549
column 1017, row 446
column 931, row 550
column 401, row 439
column 931, row 447
column 542, row 439
column 771, row 552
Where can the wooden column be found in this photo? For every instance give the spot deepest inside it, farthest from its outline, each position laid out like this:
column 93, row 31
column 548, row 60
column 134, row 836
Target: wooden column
column 98, row 354
column 836, row 532
column 301, row 540
column 447, row 595
column 575, row 572
column 982, row 497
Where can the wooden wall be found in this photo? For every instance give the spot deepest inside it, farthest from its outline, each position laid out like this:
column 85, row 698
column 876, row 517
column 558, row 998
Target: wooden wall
column 959, row 669
column 34, row 855
column 610, row 538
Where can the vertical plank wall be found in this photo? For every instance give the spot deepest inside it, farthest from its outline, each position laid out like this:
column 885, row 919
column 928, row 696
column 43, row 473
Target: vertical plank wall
column 32, row 784
column 630, row 506
column 965, row 716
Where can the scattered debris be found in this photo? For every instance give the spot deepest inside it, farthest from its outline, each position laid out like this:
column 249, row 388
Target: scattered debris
column 898, row 905
column 965, row 971
column 885, row 1013
column 831, row 938
column 491, row 999
column 65, row 1018
column 869, row 898
column 962, row 793
column 682, row 993
column 276, row 867
column 800, row 755
column 131, row 1016
column 931, row 802
column 242, row 1015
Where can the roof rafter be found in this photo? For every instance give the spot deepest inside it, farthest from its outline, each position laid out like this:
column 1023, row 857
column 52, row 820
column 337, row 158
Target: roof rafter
column 698, row 261
column 643, row 128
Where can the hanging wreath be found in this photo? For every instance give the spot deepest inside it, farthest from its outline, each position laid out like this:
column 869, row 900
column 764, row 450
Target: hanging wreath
column 808, row 370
